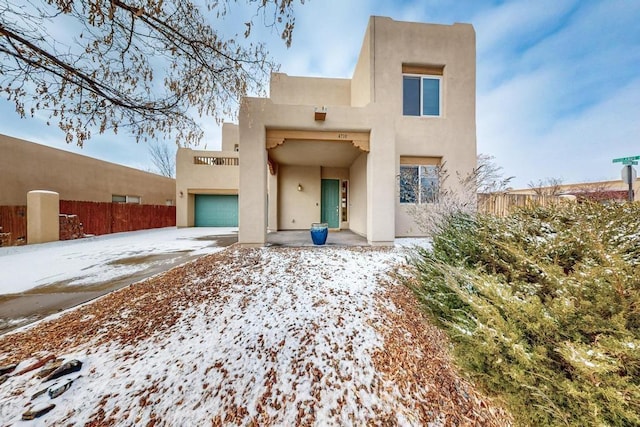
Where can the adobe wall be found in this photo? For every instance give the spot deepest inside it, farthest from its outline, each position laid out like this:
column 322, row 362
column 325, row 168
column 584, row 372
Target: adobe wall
column 315, row 91
column 195, row 179
column 28, row 166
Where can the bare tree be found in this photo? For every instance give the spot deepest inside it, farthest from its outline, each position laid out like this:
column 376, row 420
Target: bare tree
column 443, row 201
column 430, row 207
column 490, row 176
column 547, row 187
column 163, row 157
column 144, row 65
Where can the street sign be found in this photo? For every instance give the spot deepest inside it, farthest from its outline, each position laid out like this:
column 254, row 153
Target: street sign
column 630, row 162
column 626, row 159
column 628, row 174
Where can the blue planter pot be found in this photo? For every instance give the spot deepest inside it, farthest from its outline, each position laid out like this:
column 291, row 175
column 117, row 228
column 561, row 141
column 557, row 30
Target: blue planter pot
column 319, row 232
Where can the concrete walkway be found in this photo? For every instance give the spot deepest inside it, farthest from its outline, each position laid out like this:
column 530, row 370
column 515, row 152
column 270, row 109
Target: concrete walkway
column 38, row 280
column 302, row 238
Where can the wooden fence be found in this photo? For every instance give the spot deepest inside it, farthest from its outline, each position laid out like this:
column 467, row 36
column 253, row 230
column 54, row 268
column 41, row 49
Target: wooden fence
column 96, row 217
column 503, row 204
column 13, row 225
column 105, row 218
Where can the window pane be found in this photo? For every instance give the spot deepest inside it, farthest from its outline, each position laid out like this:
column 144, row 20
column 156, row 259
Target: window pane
column 408, row 184
column 118, row 199
column 410, row 96
column 430, row 97
column 429, row 184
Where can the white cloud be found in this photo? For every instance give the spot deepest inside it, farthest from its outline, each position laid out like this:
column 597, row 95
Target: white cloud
column 558, row 84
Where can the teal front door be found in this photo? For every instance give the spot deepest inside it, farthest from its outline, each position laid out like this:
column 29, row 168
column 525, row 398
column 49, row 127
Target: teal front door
column 330, row 200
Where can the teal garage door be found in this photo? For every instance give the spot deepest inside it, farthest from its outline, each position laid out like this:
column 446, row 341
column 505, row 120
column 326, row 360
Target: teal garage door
column 216, row 210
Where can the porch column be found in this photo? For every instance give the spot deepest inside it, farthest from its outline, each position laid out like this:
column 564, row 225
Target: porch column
column 381, row 184
column 252, row 194
column 43, row 220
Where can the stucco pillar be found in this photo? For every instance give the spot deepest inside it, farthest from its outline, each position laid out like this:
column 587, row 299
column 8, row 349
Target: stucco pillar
column 184, row 161
column 43, row 222
column 252, row 194
column 272, row 184
column 381, row 182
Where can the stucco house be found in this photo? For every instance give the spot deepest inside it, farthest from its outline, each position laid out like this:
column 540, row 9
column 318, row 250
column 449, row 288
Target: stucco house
column 615, row 190
column 345, row 151
column 207, row 183
column 27, row 166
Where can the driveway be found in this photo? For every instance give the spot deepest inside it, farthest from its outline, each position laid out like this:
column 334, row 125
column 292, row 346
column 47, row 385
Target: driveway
column 37, row 280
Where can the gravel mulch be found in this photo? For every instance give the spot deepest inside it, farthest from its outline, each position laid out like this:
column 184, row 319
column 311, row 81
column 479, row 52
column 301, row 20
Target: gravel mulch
column 269, row 336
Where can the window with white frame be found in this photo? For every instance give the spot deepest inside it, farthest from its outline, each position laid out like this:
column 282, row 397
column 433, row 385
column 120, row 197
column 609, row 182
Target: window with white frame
column 116, row 198
column 419, row 183
column 422, row 90
column 421, row 95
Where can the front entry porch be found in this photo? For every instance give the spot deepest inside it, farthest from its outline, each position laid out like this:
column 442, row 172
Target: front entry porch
column 315, row 177
column 302, row 238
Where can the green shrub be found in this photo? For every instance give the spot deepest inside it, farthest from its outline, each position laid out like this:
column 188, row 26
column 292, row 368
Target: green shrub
column 544, row 309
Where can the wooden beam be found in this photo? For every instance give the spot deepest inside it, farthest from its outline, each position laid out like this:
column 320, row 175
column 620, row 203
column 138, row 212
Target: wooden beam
column 275, row 137
column 433, row 70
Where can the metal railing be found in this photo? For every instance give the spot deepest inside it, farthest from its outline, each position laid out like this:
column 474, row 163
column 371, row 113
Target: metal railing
column 216, row 161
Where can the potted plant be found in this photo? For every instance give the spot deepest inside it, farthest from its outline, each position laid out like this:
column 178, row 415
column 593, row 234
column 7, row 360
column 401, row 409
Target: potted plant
column 319, row 232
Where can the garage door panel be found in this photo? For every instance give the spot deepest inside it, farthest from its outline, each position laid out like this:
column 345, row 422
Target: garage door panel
column 216, row 210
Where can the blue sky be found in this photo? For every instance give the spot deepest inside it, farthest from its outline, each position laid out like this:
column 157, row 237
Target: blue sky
column 558, row 82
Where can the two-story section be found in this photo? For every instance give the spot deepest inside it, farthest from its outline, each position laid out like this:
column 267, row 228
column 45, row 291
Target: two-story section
column 207, row 183
column 356, row 152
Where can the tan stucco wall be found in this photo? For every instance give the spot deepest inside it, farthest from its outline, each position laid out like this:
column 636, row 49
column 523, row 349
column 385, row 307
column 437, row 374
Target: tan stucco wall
column 230, row 136
column 358, row 196
column 194, row 179
column 27, row 166
column 43, row 222
column 309, row 90
column 298, row 209
column 252, row 194
column 362, row 80
column 381, row 186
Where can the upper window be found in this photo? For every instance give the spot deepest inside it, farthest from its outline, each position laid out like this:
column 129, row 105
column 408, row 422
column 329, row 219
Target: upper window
column 422, row 90
column 421, row 95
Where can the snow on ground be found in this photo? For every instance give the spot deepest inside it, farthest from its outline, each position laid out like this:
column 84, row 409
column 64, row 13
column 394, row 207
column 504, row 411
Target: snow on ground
column 270, row 336
column 413, row 242
column 100, row 258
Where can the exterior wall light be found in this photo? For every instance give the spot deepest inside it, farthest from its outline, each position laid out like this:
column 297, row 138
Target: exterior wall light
column 320, row 113
column 181, row 193
column 300, row 187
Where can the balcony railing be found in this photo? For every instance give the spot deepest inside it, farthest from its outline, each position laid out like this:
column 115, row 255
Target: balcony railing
column 216, row 161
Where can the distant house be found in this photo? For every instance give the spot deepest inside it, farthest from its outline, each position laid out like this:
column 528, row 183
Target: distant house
column 353, row 153
column 207, row 184
column 615, row 190
column 28, row 166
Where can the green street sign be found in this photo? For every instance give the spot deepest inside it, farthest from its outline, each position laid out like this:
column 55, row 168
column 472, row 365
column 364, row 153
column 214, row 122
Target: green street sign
column 625, row 160
column 630, row 162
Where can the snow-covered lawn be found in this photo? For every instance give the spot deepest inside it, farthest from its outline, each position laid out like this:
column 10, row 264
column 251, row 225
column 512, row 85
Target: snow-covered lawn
column 269, row 336
column 96, row 259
